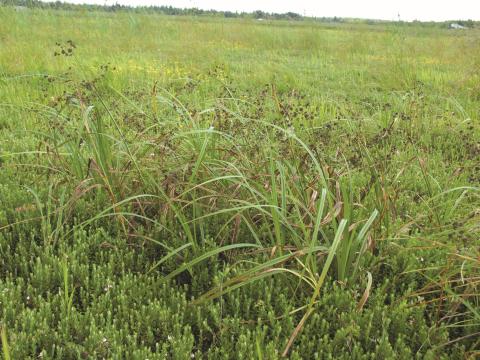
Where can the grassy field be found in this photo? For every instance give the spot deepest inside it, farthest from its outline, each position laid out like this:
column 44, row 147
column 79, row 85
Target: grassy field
column 175, row 187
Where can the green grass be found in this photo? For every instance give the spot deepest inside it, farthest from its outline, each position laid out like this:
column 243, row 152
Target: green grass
column 219, row 188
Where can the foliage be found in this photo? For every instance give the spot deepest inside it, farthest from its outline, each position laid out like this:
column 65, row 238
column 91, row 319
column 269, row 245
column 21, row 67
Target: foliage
column 170, row 190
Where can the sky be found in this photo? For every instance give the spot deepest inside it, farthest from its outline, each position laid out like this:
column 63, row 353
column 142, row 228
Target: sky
column 425, row 10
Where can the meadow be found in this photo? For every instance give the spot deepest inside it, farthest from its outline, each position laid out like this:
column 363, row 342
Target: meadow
column 198, row 187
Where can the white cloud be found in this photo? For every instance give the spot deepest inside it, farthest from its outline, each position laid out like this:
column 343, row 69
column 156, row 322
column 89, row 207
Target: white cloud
column 377, row 9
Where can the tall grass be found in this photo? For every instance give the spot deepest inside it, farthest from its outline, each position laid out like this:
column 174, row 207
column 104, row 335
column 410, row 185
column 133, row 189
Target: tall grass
column 306, row 159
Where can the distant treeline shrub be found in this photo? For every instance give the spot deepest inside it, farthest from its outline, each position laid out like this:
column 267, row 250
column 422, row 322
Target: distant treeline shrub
column 170, row 10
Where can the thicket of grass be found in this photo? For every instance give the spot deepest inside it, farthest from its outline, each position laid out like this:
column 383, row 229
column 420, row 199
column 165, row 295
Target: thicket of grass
column 184, row 187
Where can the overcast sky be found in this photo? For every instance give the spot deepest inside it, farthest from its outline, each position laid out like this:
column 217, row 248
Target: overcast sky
column 375, row 9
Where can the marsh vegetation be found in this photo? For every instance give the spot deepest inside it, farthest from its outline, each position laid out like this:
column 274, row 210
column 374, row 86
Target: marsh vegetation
column 184, row 187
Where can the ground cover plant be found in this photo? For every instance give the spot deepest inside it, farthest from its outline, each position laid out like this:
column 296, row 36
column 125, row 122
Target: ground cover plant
column 186, row 187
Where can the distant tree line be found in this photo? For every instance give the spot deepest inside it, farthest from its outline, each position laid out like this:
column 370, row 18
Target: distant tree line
column 258, row 14
column 166, row 10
